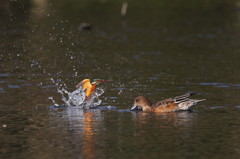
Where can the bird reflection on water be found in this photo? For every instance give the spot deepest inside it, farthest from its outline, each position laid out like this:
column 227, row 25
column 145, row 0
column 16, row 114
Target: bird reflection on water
column 88, row 134
column 81, row 125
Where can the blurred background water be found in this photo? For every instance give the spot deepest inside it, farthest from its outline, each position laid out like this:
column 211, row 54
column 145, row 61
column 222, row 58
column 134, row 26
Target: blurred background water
column 159, row 49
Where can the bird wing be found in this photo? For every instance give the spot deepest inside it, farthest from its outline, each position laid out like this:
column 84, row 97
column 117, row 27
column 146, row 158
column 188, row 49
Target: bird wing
column 164, row 102
column 184, row 102
column 87, row 87
column 177, row 103
column 188, row 104
column 85, row 84
column 166, row 105
column 183, row 98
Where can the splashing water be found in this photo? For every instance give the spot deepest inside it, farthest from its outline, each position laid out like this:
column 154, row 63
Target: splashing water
column 54, row 103
column 77, row 98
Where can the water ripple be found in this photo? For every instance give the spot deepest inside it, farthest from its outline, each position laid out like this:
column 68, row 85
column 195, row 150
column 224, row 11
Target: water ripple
column 223, row 85
column 216, row 107
column 13, row 86
column 4, row 74
column 1, row 90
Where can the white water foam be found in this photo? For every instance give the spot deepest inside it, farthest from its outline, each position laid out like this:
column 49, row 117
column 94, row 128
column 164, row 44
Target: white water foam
column 77, row 98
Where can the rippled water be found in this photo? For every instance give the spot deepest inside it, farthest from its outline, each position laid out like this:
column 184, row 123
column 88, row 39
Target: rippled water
column 160, row 50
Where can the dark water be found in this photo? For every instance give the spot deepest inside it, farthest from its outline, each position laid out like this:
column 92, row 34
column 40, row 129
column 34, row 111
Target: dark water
column 160, row 49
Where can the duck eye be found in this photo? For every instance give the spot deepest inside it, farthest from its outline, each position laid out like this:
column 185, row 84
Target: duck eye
column 137, row 100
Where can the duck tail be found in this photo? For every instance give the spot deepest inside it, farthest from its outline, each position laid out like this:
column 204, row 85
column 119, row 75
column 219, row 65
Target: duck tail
column 199, row 100
column 185, row 105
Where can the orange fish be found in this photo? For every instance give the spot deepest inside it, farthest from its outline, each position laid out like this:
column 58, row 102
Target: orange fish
column 182, row 102
column 89, row 86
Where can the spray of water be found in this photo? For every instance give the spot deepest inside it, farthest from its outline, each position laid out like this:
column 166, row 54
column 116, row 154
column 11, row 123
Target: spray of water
column 77, row 98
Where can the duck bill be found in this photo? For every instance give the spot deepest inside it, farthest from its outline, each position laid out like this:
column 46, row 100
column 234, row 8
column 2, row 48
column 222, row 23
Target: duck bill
column 136, row 108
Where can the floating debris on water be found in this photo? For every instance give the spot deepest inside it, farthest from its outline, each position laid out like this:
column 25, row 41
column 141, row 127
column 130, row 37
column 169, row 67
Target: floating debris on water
column 84, row 26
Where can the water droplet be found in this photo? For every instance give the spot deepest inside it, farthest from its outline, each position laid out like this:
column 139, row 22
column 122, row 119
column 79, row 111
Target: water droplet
column 54, row 103
column 77, row 98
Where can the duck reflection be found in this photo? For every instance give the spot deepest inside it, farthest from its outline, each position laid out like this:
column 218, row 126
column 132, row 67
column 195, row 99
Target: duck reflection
column 166, row 120
column 162, row 124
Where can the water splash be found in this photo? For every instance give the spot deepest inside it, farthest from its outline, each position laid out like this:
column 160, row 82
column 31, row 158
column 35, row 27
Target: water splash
column 77, row 98
column 54, row 103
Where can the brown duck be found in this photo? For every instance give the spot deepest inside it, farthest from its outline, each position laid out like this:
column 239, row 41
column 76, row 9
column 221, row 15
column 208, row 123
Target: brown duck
column 178, row 103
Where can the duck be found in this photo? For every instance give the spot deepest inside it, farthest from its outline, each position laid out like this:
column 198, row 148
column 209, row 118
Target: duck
column 178, row 103
column 89, row 86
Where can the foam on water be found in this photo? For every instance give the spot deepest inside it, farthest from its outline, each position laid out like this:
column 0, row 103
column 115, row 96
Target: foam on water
column 77, row 98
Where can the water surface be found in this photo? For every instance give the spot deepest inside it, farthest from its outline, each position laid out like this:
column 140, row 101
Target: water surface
column 160, row 50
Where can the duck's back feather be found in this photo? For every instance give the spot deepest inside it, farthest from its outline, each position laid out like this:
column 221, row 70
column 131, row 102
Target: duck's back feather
column 177, row 103
column 164, row 102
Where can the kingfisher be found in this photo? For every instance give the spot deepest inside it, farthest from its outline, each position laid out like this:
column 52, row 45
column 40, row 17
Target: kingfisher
column 89, row 86
column 177, row 103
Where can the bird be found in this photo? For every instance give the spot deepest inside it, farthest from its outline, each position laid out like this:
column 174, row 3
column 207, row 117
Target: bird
column 177, row 103
column 89, row 86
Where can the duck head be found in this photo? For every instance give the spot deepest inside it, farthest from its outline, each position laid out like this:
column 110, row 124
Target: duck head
column 141, row 103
